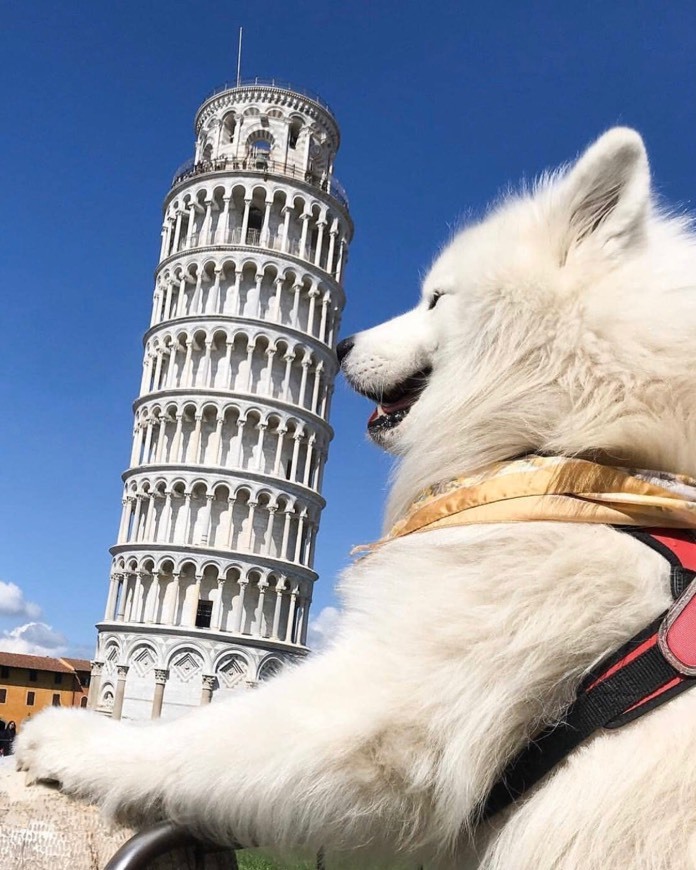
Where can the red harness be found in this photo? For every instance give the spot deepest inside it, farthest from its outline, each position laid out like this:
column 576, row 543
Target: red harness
column 654, row 666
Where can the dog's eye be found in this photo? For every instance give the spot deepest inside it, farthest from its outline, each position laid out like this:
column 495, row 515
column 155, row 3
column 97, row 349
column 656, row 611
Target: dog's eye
column 438, row 294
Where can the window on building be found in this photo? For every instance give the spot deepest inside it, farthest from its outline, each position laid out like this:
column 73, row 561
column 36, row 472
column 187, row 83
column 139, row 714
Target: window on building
column 204, row 614
column 84, row 678
column 30, row 699
column 4, row 672
column 255, row 218
column 33, row 676
column 83, row 702
column 56, row 700
column 262, row 146
column 229, row 125
column 3, row 696
column 57, row 679
column 295, row 128
column 261, row 153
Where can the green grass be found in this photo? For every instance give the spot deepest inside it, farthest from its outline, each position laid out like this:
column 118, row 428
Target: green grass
column 250, row 860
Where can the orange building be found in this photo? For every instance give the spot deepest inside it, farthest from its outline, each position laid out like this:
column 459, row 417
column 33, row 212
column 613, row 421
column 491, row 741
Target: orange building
column 30, row 683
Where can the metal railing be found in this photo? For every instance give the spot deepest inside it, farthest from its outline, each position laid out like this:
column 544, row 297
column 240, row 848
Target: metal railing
column 261, row 164
column 271, row 83
column 166, row 839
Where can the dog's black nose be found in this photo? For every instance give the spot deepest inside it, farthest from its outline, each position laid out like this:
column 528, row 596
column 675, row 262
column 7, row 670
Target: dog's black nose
column 343, row 348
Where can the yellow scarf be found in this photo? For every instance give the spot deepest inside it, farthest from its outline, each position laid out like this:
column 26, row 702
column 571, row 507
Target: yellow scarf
column 557, row 489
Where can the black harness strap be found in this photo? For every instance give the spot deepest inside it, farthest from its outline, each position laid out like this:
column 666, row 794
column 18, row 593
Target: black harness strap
column 625, row 685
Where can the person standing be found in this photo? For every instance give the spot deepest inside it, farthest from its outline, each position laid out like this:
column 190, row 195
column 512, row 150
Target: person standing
column 10, row 734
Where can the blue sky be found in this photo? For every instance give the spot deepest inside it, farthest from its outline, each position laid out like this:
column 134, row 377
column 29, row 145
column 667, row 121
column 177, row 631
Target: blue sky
column 440, row 107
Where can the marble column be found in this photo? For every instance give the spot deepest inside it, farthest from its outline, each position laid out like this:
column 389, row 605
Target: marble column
column 324, row 315
column 332, row 244
column 218, row 615
column 258, row 616
column 281, row 433
column 221, row 229
column 289, row 625
column 120, row 615
column 122, row 671
column 94, row 684
column 279, row 589
column 321, row 224
column 239, row 616
column 207, row 688
column 111, row 600
column 303, row 235
column 161, row 675
column 286, row 212
column 245, row 222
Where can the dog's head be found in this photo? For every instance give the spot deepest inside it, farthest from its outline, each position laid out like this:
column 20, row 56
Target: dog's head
column 563, row 322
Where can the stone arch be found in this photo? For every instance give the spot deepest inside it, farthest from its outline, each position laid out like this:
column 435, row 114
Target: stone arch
column 107, row 693
column 259, row 362
column 198, row 531
column 264, row 501
column 229, row 129
column 232, row 670
column 112, row 655
column 143, row 659
column 254, row 577
column 257, row 209
column 231, row 435
column 208, row 441
column 260, row 144
column 165, row 565
column 186, row 592
column 208, row 593
column 240, row 516
column 185, row 663
column 228, row 282
column 220, row 516
column 270, row 667
column 295, row 126
column 230, row 591
column 250, row 436
column 198, row 363
column 219, row 367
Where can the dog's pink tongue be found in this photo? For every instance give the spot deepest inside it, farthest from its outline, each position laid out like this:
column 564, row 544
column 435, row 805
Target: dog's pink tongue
column 375, row 415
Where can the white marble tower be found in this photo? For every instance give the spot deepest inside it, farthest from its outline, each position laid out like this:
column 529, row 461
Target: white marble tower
column 212, row 575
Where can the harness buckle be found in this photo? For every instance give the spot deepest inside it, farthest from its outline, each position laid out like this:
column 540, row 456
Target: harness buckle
column 676, row 636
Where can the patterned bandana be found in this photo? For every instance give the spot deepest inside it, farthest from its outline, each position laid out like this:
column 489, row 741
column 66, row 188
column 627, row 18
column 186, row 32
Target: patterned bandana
column 553, row 488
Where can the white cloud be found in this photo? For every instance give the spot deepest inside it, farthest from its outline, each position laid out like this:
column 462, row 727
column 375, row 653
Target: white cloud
column 34, row 638
column 323, row 628
column 13, row 603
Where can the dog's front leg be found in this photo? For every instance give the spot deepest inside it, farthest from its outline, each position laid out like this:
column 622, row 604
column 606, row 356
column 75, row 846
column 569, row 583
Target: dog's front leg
column 317, row 756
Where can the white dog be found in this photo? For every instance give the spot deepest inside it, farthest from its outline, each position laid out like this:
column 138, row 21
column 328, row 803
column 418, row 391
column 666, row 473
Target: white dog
column 563, row 323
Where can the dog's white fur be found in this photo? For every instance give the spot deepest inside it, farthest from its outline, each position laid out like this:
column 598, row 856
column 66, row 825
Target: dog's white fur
column 567, row 324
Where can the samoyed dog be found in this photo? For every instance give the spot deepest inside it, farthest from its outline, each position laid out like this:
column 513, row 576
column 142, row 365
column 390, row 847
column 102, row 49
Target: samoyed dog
column 562, row 324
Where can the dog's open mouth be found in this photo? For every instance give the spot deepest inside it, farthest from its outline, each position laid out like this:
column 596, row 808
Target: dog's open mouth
column 398, row 401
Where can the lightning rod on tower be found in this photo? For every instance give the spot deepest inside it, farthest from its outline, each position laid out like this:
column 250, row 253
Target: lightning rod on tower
column 239, row 59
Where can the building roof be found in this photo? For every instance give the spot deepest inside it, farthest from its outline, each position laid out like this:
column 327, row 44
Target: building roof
column 78, row 664
column 43, row 663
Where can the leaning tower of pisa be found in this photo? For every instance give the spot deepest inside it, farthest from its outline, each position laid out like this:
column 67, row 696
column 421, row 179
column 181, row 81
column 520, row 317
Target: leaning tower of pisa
column 211, row 579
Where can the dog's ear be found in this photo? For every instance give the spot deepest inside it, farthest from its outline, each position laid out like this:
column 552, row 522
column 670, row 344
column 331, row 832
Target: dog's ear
column 606, row 195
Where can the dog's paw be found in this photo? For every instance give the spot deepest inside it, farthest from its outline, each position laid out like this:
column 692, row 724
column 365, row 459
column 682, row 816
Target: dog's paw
column 53, row 747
